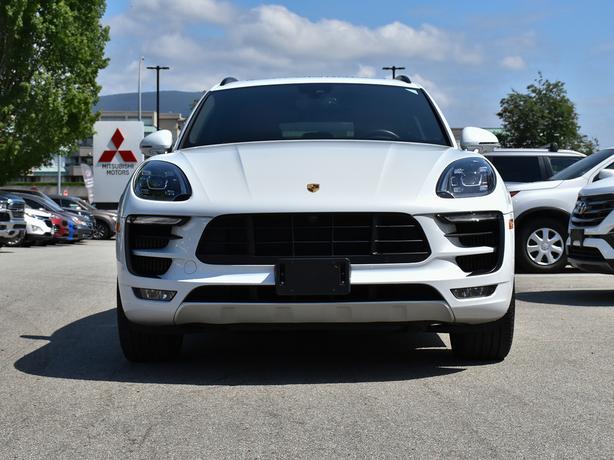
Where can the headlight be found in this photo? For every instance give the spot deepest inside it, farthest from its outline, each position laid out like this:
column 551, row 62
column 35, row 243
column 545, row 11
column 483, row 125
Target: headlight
column 161, row 181
column 466, row 178
column 2, row 205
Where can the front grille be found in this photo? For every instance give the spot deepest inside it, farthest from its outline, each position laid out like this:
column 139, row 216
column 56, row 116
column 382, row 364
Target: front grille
column 17, row 209
column 147, row 236
column 261, row 239
column 48, row 223
column 149, row 266
column 473, row 230
column 591, row 210
column 358, row 293
column 585, row 253
column 5, row 217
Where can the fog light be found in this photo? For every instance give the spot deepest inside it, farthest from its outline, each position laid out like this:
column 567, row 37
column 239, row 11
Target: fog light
column 154, row 294
column 471, row 292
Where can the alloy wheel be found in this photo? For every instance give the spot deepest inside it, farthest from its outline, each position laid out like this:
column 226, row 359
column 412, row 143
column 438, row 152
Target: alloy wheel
column 545, row 246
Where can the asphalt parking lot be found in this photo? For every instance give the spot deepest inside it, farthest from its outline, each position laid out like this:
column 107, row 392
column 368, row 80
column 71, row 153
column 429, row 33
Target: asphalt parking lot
column 66, row 390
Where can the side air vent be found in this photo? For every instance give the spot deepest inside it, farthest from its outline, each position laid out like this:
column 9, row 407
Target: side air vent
column 477, row 229
column 149, row 233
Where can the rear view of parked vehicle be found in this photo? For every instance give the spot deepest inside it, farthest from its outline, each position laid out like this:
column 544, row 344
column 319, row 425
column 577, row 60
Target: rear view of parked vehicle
column 591, row 229
column 542, row 211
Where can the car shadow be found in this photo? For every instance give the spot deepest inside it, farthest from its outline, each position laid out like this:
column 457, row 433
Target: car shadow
column 571, row 297
column 89, row 349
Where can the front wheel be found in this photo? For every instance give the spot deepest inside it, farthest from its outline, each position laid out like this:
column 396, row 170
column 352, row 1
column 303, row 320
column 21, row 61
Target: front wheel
column 486, row 342
column 541, row 246
column 17, row 241
column 142, row 345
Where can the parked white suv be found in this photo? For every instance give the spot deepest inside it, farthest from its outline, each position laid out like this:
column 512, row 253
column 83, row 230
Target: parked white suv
column 530, row 165
column 315, row 200
column 542, row 212
column 591, row 228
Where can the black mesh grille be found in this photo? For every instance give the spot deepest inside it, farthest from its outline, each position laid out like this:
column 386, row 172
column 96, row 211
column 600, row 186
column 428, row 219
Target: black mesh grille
column 591, row 210
column 5, row 217
column 150, row 266
column 264, row 238
column 358, row 293
column 478, row 263
column 17, row 209
column 145, row 237
column 475, row 230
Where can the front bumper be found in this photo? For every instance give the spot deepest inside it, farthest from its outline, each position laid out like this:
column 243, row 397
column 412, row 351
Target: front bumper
column 595, row 253
column 440, row 271
column 12, row 229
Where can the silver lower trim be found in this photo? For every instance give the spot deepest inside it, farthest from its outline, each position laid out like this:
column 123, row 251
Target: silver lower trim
column 362, row 312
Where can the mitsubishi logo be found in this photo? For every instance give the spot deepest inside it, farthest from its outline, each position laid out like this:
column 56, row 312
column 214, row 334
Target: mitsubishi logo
column 117, row 140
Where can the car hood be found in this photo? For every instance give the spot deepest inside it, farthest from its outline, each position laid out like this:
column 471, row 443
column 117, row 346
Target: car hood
column 38, row 213
column 233, row 176
column 600, row 187
column 542, row 185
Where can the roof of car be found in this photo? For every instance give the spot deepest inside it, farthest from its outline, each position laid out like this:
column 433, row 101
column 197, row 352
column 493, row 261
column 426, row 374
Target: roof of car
column 300, row 80
column 533, row 152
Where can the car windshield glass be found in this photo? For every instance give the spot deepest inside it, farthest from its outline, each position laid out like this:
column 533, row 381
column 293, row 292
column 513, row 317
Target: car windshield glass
column 85, row 204
column 583, row 166
column 316, row 111
column 518, row 168
column 48, row 203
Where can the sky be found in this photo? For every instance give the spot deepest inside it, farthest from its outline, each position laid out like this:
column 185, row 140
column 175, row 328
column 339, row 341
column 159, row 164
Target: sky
column 467, row 54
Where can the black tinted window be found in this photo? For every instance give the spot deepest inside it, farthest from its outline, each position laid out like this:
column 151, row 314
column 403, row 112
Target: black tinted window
column 316, row 111
column 583, row 166
column 560, row 163
column 517, row 168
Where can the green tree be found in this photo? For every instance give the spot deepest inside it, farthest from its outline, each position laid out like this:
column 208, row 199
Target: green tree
column 542, row 116
column 50, row 55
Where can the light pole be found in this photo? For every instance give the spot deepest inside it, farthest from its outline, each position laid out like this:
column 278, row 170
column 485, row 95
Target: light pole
column 394, row 69
column 157, row 68
column 141, row 59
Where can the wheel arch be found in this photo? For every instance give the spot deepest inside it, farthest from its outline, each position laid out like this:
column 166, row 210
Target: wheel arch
column 543, row 211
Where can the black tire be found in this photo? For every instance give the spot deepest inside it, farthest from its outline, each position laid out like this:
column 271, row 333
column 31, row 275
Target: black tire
column 102, row 231
column 140, row 344
column 487, row 342
column 524, row 260
column 17, row 241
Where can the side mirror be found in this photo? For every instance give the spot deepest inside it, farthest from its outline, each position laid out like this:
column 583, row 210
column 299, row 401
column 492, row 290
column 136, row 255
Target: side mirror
column 156, row 143
column 605, row 173
column 479, row 139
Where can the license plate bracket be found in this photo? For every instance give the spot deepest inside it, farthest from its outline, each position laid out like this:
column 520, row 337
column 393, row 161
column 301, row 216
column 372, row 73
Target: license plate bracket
column 312, row 276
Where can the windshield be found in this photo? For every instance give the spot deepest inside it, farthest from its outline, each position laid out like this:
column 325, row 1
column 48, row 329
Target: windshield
column 583, row 166
column 316, row 111
column 83, row 204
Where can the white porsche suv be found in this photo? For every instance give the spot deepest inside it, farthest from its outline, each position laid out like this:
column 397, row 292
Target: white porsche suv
column 315, row 201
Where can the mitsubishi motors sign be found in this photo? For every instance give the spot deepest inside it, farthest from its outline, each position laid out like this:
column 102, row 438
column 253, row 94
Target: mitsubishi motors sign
column 116, row 156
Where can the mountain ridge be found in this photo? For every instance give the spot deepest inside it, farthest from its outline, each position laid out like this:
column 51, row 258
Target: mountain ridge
column 170, row 102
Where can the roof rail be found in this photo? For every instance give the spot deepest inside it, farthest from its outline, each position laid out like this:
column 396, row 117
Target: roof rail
column 227, row 80
column 403, row 78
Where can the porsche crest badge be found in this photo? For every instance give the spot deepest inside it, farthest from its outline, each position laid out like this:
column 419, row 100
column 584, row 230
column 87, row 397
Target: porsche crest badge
column 313, row 188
